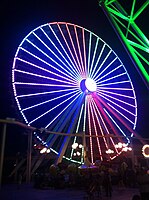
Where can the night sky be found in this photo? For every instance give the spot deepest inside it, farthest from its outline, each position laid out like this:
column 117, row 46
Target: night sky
column 18, row 18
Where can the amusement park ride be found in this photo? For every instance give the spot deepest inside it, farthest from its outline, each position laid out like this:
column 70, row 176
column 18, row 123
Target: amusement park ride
column 73, row 87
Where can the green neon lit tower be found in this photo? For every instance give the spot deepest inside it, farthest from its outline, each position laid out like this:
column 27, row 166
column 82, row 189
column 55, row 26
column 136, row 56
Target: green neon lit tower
column 124, row 19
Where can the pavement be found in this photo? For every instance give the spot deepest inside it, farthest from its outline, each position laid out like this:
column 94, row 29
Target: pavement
column 28, row 192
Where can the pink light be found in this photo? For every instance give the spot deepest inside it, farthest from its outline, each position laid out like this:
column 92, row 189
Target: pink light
column 107, row 131
column 119, row 118
column 79, row 49
column 97, row 117
column 99, row 148
column 53, row 53
column 78, row 69
column 84, row 51
column 64, row 51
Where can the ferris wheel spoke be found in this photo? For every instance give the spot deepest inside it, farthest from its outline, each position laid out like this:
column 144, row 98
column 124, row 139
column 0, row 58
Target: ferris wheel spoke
column 47, row 85
column 59, row 123
column 97, row 62
column 100, row 120
column 107, row 120
column 74, row 49
column 93, row 59
column 50, row 58
column 104, row 128
column 84, row 52
column 99, row 68
column 57, row 49
column 116, row 88
column 71, row 110
column 77, row 67
column 118, row 116
column 70, row 130
column 128, row 119
column 90, row 133
column 79, row 49
column 106, row 68
column 102, row 111
column 89, row 52
column 44, row 102
column 111, row 78
column 43, row 61
column 60, row 43
column 117, row 105
column 54, row 108
column 41, row 68
column 116, row 94
column 44, row 77
column 69, row 69
column 116, row 124
column 77, row 129
column 116, row 83
column 95, row 128
column 44, row 93
column 108, row 73
column 116, row 99
column 108, row 137
column 62, row 111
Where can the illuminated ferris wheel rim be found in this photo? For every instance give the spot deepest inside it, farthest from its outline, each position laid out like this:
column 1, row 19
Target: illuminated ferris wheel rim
column 92, row 81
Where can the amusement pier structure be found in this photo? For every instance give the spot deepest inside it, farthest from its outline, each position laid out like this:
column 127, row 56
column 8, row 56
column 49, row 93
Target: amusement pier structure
column 75, row 94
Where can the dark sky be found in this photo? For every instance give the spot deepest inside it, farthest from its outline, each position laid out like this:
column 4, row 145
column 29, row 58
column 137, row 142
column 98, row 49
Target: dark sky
column 18, row 18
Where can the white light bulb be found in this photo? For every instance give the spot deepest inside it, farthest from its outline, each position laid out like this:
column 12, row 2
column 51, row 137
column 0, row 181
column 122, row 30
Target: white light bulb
column 90, row 85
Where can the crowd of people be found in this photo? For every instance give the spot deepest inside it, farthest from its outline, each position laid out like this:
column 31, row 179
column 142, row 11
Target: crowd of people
column 98, row 179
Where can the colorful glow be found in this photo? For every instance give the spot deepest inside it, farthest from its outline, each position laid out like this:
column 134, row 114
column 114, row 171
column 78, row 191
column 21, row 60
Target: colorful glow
column 69, row 81
column 133, row 38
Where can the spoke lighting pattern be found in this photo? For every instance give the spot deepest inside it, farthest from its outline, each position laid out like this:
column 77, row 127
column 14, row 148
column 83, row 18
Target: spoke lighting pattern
column 68, row 80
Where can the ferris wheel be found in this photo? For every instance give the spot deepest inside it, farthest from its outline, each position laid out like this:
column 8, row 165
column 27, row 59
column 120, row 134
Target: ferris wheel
column 68, row 80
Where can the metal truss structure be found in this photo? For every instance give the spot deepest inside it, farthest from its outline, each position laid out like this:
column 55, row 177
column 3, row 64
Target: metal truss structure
column 126, row 18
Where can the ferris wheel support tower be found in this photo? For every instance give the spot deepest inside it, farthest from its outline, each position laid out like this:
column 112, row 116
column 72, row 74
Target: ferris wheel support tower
column 128, row 31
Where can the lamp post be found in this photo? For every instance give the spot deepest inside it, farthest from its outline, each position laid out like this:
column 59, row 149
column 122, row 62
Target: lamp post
column 2, row 152
column 29, row 158
column 123, row 147
column 77, row 147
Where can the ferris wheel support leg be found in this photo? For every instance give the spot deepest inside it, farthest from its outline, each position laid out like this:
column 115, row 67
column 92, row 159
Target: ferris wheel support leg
column 29, row 158
column 63, row 149
column 2, row 152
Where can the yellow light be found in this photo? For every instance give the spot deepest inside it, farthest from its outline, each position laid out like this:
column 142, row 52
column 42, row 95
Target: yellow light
column 74, row 145
column 48, row 150
column 144, row 149
column 80, row 146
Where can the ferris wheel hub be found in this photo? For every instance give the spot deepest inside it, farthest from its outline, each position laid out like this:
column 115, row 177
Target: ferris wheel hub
column 88, row 84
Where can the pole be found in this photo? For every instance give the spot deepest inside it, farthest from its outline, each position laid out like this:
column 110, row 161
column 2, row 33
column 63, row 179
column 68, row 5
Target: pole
column 2, row 152
column 132, row 154
column 29, row 158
